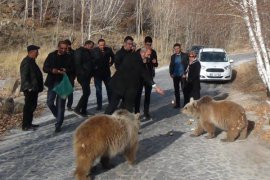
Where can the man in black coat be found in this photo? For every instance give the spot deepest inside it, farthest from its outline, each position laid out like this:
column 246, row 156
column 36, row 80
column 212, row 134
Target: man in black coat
column 31, row 85
column 177, row 68
column 125, row 50
column 126, row 80
column 150, row 64
column 84, row 67
column 104, row 59
column 56, row 65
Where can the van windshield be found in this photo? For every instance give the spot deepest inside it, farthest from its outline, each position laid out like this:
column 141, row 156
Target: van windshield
column 213, row 57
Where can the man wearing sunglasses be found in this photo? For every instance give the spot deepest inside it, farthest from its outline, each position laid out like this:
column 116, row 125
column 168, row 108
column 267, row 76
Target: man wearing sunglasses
column 177, row 68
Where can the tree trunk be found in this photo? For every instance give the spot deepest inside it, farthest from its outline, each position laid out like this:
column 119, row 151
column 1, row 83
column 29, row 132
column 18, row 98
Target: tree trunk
column 33, row 9
column 25, row 11
column 90, row 19
column 82, row 20
column 40, row 12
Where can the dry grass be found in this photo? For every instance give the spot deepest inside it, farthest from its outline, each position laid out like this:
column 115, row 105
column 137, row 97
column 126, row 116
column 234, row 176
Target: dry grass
column 248, row 79
column 10, row 61
column 249, row 82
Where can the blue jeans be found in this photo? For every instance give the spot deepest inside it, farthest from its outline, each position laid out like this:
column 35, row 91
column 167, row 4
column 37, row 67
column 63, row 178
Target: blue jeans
column 57, row 109
column 98, row 85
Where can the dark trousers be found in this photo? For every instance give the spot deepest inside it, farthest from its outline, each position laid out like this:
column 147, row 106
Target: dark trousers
column 57, row 109
column 30, row 99
column 176, row 83
column 115, row 99
column 98, row 85
column 86, row 91
column 70, row 97
column 191, row 92
column 147, row 96
column 70, row 100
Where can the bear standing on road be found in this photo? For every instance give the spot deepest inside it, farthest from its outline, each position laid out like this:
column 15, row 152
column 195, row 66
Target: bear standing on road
column 224, row 114
column 104, row 136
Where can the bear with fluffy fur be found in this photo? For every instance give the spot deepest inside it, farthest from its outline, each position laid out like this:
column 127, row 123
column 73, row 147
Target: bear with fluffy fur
column 224, row 114
column 105, row 136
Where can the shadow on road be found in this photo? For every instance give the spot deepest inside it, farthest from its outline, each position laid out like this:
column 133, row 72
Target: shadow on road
column 162, row 113
column 147, row 148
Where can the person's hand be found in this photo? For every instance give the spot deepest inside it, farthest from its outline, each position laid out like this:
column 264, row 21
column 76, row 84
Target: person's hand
column 154, row 61
column 159, row 90
column 61, row 72
column 63, row 69
column 171, row 75
column 55, row 71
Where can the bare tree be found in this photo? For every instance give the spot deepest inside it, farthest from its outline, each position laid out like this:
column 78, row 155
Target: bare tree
column 90, row 18
column 82, row 20
column 25, row 11
column 252, row 20
column 40, row 11
column 33, row 9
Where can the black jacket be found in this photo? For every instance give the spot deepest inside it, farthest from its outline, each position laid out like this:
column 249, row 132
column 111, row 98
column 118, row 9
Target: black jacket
column 128, row 77
column 72, row 74
column 56, row 61
column 184, row 61
column 31, row 76
column 150, row 66
column 84, row 65
column 119, row 57
column 103, row 61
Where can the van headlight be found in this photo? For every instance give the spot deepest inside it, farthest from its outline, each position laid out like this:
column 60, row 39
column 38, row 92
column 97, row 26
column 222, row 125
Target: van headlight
column 203, row 67
column 227, row 67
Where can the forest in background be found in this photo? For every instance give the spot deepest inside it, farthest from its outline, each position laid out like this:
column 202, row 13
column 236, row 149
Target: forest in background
column 213, row 23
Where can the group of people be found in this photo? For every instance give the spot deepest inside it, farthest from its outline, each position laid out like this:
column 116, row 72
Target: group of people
column 135, row 70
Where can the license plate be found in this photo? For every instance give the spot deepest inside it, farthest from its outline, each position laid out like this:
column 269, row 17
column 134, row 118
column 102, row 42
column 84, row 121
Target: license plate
column 215, row 74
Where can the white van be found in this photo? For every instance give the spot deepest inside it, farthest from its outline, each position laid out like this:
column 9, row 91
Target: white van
column 215, row 65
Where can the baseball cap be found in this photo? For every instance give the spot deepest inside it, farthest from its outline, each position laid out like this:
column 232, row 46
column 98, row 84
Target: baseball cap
column 32, row 47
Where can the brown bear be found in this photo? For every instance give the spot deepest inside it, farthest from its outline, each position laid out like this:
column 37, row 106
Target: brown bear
column 223, row 114
column 105, row 136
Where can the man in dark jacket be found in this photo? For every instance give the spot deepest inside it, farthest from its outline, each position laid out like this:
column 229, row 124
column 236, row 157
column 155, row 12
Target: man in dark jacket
column 121, row 54
column 31, row 85
column 56, row 65
column 126, row 80
column 125, row 50
column 104, row 59
column 84, row 70
column 177, row 68
column 150, row 64
column 71, row 75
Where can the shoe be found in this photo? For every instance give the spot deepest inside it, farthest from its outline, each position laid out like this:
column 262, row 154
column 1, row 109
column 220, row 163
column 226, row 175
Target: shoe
column 28, row 128
column 78, row 112
column 34, row 125
column 57, row 130
column 147, row 116
column 98, row 108
column 70, row 109
column 89, row 113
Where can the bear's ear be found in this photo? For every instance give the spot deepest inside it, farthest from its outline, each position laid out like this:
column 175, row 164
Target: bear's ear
column 194, row 104
column 137, row 116
column 191, row 99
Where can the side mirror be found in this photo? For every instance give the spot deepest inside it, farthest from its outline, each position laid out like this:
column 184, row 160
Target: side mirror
column 231, row 61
